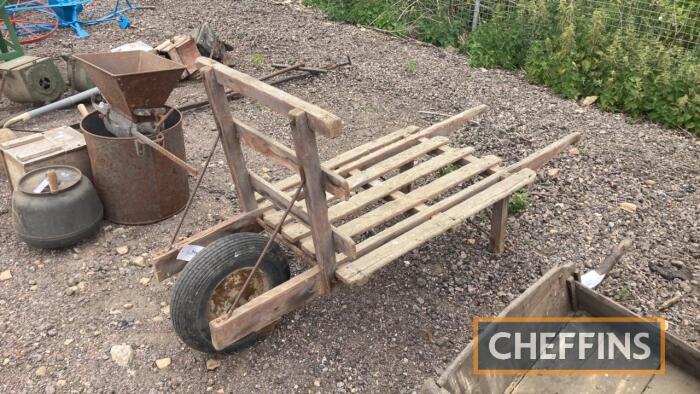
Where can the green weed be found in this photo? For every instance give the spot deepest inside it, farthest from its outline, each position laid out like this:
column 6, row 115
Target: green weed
column 258, row 59
column 518, row 202
column 446, row 170
column 411, row 67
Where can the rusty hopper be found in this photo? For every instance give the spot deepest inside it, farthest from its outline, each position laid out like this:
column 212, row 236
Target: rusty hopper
column 132, row 80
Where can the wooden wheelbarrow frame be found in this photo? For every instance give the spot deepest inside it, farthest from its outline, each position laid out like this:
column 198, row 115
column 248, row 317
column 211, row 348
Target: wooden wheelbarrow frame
column 344, row 186
column 561, row 292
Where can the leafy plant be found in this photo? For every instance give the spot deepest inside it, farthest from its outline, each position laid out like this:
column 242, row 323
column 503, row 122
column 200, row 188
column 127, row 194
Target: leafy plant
column 518, row 202
column 411, row 67
column 446, row 170
column 257, row 59
column 623, row 294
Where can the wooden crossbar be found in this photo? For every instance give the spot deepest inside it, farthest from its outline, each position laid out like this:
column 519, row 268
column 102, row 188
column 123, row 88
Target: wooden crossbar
column 320, row 120
column 285, row 156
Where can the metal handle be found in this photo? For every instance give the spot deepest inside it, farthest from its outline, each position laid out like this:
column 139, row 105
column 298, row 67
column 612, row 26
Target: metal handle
column 169, row 155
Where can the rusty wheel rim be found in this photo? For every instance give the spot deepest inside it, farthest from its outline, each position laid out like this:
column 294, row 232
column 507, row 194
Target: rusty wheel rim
column 225, row 292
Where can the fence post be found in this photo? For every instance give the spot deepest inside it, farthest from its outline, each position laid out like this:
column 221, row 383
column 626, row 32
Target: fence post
column 475, row 16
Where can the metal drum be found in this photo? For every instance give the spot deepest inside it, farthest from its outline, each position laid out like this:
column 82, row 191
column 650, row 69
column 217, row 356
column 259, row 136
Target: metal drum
column 136, row 184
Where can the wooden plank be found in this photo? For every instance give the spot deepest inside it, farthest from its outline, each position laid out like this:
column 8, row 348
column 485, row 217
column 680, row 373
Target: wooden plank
column 341, row 242
column 546, row 297
column 396, row 161
column 424, row 193
column 372, row 146
column 404, row 202
column 499, row 225
column 285, row 156
column 542, row 156
column 379, row 155
column 452, row 124
column 229, row 140
column 678, row 352
column 259, row 312
column 165, row 263
column 354, row 154
column 422, row 216
column 358, row 271
column 443, row 128
column 675, row 381
column 362, row 199
column 319, row 120
column 307, row 152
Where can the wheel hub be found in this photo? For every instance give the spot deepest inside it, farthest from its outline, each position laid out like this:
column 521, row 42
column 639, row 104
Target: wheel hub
column 226, row 291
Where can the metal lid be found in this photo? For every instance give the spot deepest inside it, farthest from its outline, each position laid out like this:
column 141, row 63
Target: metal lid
column 35, row 182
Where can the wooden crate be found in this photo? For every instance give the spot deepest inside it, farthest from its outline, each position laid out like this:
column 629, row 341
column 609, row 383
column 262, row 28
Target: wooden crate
column 62, row 145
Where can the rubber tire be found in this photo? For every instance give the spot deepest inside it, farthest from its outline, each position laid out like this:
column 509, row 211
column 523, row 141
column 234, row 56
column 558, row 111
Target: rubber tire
column 199, row 278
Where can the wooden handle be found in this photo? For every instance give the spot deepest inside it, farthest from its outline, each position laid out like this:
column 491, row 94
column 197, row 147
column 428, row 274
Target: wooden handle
column 614, row 257
column 53, row 180
column 83, row 110
column 169, row 155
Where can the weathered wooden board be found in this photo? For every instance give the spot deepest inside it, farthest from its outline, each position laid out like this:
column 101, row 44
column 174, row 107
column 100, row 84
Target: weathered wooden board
column 263, row 310
column 395, row 183
column 358, row 271
column 165, row 263
column 320, row 120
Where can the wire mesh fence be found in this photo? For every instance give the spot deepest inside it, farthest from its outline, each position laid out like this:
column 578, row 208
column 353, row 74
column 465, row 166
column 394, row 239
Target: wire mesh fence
column 672, row 21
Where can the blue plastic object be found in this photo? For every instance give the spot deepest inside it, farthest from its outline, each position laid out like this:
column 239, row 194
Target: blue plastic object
column 68, row 12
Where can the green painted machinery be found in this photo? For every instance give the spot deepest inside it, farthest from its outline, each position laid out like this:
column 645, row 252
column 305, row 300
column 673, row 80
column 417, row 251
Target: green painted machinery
column 9, row 47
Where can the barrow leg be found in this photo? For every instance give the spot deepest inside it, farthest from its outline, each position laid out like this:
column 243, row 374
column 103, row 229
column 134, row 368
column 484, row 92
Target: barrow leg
column 499, row 217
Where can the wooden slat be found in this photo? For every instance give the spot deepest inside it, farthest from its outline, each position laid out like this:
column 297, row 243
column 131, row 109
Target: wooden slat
column 364, row 198
column 341, row 242
column 424, row 193
column 320, row 120
column 394, row 162
column 443, row 128
column 358, row 271
column 422, row 216
column 229, row 140
column 285, row 156
column 542, row 156
column 370, row 147
column 452, row 124
column 261, row 311
column 353, row 154
column 165, row 263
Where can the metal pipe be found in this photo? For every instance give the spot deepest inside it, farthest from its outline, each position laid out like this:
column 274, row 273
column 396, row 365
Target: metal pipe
column 63, row 103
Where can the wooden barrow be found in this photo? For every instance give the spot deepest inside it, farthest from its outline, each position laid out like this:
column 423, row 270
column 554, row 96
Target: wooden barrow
column 365, row 190
column 562, row 293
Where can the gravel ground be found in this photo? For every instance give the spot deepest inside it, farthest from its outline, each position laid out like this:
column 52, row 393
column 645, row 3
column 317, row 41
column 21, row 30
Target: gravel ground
column 63, row 310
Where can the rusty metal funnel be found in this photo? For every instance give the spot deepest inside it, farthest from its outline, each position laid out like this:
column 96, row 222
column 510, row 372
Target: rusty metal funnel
column 132, row 80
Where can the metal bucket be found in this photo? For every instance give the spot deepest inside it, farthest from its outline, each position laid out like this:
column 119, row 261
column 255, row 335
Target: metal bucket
column 136, row 184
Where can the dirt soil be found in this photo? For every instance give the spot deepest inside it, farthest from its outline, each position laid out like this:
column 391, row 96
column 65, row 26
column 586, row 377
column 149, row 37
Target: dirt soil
column 63, row 310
